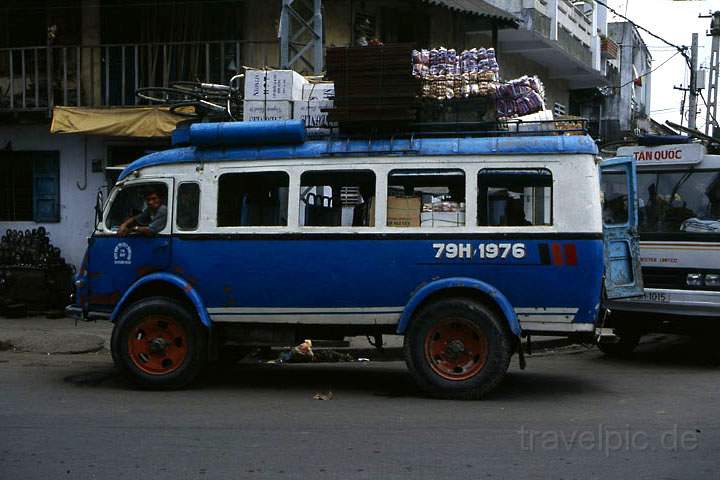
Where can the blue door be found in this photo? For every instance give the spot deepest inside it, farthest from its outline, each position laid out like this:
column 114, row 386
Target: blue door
column 623, row 277
column 116, row 262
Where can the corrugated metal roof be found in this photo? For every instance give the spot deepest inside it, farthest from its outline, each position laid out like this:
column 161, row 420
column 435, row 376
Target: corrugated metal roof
column 477, row 7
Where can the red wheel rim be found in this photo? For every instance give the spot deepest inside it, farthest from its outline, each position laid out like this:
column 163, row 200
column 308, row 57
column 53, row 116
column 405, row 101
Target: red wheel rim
column 157, row 345
column 456, row 349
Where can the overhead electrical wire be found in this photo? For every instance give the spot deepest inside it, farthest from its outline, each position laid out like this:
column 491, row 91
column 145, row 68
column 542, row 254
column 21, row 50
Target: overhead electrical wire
column 648, row 72
column 681, row 49
column 663, row 109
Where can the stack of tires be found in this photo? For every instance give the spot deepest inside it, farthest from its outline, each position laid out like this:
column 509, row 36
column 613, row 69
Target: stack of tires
column 34, row 277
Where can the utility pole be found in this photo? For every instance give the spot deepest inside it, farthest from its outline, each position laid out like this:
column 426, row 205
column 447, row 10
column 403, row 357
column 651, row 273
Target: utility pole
column 711, row 114
column 691, row 89
column 692, row 110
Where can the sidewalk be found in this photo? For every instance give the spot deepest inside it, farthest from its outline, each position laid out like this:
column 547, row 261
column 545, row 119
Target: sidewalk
column 63, row 336
column 53, row 336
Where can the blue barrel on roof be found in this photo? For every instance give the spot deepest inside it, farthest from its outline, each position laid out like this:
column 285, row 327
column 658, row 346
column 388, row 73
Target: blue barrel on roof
column 225, row 134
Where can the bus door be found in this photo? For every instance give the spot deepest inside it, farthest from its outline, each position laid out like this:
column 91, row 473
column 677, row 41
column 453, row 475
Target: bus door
column 114, row 262
column 623, row 277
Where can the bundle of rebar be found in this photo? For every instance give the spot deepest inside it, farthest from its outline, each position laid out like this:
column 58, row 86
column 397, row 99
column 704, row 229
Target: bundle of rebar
column 374, row 86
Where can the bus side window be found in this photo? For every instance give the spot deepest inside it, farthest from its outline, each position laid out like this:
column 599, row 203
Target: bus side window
column 253, row 199
column 337, row 199
column 426, row 198
column 188, row 206
column 514, row 197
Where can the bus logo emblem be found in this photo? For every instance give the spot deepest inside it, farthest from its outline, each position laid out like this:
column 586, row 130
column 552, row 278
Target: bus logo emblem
column 122, row 254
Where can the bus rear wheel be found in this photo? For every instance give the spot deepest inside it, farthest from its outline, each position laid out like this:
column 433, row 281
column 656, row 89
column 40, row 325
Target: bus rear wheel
column 457, row 348
column 158, row 343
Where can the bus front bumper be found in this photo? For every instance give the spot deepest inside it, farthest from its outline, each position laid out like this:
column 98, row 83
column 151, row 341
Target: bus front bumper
column 672, row 302
column 74, row 311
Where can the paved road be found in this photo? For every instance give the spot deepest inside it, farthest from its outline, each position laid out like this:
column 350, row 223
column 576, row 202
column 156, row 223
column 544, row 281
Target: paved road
column 570, row 415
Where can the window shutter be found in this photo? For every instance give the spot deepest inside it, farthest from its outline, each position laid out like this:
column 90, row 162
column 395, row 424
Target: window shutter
column 46, row 187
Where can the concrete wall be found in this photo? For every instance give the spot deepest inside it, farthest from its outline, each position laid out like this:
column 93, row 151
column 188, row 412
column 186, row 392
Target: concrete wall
column 338, row 22
column 515, row 65
column 76, row 206
column 261, row 20
column 447, row 29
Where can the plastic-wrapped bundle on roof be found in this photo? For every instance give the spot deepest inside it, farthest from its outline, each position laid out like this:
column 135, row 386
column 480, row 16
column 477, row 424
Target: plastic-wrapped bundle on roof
column 522, row 96
column 447, row 75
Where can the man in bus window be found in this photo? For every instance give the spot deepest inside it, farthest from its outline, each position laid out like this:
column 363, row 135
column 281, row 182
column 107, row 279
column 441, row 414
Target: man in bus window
column 713, row 195
column 515, row 211
column 150, row 221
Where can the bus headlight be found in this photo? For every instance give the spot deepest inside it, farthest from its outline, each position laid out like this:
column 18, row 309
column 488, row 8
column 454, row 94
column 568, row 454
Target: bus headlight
column 712, row 280
column 694, row 279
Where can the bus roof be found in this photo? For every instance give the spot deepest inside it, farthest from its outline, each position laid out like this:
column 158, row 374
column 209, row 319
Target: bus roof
column 510, row 145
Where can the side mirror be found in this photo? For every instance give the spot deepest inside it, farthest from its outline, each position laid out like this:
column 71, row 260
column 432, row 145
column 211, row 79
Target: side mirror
column 98, row 207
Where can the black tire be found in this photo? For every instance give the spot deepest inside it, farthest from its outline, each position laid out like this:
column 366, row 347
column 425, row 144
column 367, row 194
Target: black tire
column 196, row 89
column 475, row 315
column 624, row 347
column 165, row 95
column 194, row 343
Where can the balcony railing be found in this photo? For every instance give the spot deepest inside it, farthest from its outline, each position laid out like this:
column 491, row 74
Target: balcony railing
column 574, row 47
column 38, row 78
column 575, row 21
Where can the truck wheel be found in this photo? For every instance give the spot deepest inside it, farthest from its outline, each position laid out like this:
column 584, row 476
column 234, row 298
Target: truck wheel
column 158, row 343
column 627, row 341
column 457, row 349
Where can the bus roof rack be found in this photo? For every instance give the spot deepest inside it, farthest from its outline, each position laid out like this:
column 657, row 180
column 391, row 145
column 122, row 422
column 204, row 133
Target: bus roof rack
column 408, row 144
column 291, row 132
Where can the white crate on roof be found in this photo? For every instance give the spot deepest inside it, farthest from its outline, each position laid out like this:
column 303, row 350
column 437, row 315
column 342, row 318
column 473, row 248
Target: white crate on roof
column 257, row 110
column 319, row 91
column 274, row 85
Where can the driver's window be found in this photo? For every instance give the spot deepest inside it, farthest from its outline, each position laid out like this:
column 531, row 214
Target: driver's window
column 130, row 202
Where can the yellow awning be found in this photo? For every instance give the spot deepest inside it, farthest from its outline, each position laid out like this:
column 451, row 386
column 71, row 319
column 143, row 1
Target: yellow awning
column 138, row 122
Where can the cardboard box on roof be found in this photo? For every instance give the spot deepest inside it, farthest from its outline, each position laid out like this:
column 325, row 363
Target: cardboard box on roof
column 319, row 91
column 403, row 211
column 274, row 85
column 257, row 110
column 312, row 112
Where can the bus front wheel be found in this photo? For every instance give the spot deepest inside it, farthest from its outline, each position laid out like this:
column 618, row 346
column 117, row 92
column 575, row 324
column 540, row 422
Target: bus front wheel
column 158, row 343
column 457, row 348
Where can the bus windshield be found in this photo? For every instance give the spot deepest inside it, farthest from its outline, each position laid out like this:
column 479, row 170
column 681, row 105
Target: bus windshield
column 679, row 202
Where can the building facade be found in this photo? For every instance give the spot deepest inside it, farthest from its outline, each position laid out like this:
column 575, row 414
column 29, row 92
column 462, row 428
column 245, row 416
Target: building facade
column 627, row 105
column 558, row 40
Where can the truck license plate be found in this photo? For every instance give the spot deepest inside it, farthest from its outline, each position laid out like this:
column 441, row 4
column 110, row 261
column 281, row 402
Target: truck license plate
column 655, row 297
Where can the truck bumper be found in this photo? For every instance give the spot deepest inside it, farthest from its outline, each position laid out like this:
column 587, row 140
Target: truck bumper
column 672, row 302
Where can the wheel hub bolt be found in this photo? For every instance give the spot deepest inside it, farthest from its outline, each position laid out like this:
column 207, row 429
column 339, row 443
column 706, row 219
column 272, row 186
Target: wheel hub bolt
column 158, row 345
column 455, row 347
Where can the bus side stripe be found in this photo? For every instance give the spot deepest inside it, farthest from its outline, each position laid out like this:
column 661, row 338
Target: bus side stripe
column 557, row 254
column 570, row 254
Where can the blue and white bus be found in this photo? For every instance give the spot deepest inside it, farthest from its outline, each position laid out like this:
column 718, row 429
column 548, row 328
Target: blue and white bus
column 460, row 244
column 679, row 227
